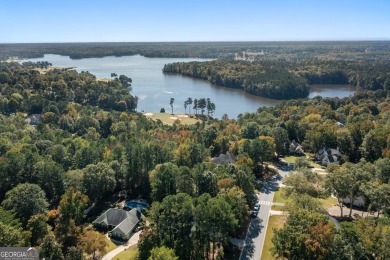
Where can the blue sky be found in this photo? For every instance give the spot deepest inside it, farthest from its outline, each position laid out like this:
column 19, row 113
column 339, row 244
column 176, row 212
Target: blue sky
column 192, row 20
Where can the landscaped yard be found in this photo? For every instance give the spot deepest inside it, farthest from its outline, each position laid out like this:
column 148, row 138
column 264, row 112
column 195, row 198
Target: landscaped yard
column 279, row 196
column 278, row 208
column 329, row 202
column 275, row 221
column 292, row 159
column 110, row 246
column 129, row 254
column 169, row 119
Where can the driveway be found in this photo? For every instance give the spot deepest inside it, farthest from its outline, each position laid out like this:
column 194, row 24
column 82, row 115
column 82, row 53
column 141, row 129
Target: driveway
column 255, row 236
column 132, row 241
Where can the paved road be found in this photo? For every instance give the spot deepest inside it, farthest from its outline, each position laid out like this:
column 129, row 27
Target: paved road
column 256, row 232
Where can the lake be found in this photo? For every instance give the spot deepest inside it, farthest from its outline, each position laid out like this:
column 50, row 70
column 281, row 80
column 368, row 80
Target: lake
column 154, row 88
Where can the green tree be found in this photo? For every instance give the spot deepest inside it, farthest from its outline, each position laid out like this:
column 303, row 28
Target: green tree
column 162, row 253
column 250, row 130
column 298, row 240
column 189, row 102
column 185, row 107
column 373, row 143
column 72, row 206
column 280, row 136
column 98, row 180
column 163, row 180
column 38, row 227
column 346, row 243
column 74, row 253
column 195, row 107
column 49, row 177
column 92, row 242
column 50, row 249
column 171, row 103
column 202, row 105
column 13, row 237
column 382, row 167
column 214, row 219
column 173, row 218
column 338, row 184
column 378, row 195
column 26, row 200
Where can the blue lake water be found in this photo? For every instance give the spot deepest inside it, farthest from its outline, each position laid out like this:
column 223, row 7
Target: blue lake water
column 154, row 88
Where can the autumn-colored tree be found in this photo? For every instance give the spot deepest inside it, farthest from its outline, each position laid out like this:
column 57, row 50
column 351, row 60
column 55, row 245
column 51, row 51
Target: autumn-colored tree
column 93, row 243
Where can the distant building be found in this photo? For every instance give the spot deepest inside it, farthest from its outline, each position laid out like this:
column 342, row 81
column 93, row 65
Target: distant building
column 296, row 149
column 34, row 119
column 120, row 223
column 224, row 158
column 327, row 156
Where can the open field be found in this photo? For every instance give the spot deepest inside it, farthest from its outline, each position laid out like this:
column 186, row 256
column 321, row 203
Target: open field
column 276, row 221
column 169, row 119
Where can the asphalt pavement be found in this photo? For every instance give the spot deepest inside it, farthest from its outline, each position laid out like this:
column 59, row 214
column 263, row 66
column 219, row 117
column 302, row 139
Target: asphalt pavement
column 255, row 237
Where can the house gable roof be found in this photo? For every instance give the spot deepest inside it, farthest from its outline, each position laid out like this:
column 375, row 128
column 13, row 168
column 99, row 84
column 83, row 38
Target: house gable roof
column 123, row 221
column 112, row 217
column 128, row 224
column 224, row 158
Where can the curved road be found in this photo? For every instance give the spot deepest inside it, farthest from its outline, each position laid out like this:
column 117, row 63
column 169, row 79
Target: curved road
column 255, row 236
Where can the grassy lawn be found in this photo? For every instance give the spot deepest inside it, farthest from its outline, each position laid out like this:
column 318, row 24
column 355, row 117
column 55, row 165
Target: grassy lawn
column 329, row 202
column 274, row 222
column 110, row 246
column 279, row 196
column 278, row 208
column 291, row 159
column 129, row 254
column 169, row 119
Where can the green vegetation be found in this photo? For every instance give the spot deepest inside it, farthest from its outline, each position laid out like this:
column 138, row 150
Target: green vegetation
column 129, row 254
column 110, row 246
column 262, row 79
column 226, row 50
column 280, row 196
column 274, row 222
column 281, row 79
column 70, row 143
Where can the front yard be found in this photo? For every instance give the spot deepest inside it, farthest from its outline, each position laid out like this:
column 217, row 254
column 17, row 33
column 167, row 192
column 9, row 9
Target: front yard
column 276, row 221
column 129, row 254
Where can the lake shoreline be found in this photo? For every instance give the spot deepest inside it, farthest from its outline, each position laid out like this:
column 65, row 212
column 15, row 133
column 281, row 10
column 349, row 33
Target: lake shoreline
column 154, row 88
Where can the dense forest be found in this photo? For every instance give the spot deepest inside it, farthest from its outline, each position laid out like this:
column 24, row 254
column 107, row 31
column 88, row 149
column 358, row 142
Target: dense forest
column 261, row 79
column 69, row 142
column 354, row 50
column 285, row 79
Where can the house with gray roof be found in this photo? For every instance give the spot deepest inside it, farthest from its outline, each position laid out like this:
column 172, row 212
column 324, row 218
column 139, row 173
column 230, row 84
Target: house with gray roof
column 119, row 222
column 296, row 149
column 224, row 158
column 327, row 156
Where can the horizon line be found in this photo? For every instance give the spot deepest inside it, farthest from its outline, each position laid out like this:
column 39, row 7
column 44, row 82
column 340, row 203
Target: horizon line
column 211, row 41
